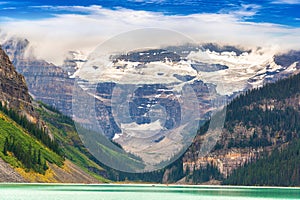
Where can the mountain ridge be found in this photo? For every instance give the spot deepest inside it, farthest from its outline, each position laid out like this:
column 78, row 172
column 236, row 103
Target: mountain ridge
column 26, row 141
column 279, row 67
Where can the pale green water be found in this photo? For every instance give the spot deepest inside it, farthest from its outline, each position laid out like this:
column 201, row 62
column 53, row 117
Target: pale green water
column 141, row 192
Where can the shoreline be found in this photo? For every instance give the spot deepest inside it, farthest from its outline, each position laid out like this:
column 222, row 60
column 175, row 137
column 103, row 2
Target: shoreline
column 153, row 185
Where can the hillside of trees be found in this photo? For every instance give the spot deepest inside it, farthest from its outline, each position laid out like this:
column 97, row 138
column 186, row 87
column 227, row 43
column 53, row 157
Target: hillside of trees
column 32, row 128
column 29, row 156
column 281, row 168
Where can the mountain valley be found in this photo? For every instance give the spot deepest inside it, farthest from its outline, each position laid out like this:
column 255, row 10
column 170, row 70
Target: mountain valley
column 217, row 75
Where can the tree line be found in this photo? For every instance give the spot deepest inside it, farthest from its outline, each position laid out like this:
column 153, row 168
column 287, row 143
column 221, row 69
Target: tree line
column 281, row 168
column 33, row 129
column 29, row 156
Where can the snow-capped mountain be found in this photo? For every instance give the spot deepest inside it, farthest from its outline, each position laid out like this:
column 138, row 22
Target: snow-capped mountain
column 147, row 100
column 230, row 69
column 143, row 92
column 73, row 62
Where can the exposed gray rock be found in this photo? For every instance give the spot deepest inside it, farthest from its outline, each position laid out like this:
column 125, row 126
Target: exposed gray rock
column 8, row 174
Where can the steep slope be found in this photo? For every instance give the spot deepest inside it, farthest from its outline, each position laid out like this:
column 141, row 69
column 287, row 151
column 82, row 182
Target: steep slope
column 281, row 168
column 8, row 174
column 64, row 130
column 28, row 146
column 46, row 82
column 23, row 151
column 13, row 89
column 25, row 167
column 15, row 168
column 257, row 123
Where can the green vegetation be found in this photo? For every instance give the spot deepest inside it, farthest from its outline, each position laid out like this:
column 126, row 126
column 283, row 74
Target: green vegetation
column 273, row 126
column 281, row 168
column 204, row 174
column 31, row 158
column 64, row 130
column 283, row 120
column 71, row 146
column 32, row 128
column 279, row 90
column 20, row 149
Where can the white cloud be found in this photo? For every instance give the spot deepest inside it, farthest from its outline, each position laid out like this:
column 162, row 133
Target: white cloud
column 286, row 2
column 9, row 8
column 53, row 37
column 246, row 11
column 3, row 2
column 86, row 9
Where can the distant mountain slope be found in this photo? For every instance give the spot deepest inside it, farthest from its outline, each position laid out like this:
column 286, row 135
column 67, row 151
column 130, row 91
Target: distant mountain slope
column 53, row 84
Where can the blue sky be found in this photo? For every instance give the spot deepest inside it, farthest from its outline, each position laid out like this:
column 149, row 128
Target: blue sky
column 285, row 12
column 56, row 27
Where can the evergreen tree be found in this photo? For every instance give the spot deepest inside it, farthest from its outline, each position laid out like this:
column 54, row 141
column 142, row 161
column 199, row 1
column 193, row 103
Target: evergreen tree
column 5, row 146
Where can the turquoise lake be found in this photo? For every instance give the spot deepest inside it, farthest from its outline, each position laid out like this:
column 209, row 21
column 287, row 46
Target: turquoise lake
column 140, row 192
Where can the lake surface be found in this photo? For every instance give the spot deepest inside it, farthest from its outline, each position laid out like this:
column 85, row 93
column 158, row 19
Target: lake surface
column 140, row 192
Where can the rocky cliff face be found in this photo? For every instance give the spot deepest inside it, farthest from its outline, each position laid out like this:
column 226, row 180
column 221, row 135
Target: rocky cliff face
column 46, row 82
column 13, row 89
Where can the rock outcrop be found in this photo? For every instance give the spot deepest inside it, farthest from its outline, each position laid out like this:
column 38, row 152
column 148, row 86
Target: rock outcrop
column 14, row 94
column 13, row 89
column 8, row 174
column 46, row 82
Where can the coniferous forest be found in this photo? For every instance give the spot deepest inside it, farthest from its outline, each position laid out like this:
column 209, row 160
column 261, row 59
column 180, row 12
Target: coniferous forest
column 32, row 128
column 282, row 166
column 273, row 112
column 30, row 157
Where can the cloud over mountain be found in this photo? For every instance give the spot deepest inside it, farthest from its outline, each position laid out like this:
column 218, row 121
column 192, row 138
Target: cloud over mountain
column 85, row 27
